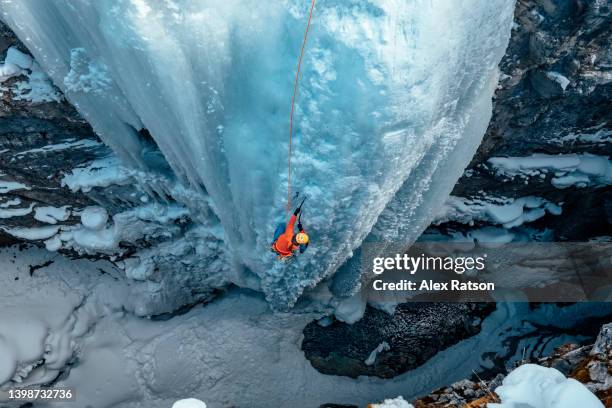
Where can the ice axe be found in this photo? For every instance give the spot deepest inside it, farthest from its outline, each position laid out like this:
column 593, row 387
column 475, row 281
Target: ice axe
column 302, row 203
column 300, row 213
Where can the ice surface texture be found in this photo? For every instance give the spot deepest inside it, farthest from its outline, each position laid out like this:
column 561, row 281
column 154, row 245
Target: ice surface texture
column 393, row 101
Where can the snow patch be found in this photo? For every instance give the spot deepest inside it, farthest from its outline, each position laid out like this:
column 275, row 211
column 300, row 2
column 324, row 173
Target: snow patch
column 37, row 87
column 65, row 145
column 10, row 203
column 53, row 244
column 597, row 135
column 534, row 386
column 151, row 221
column 51, row 215
column 94, row 218
column 14, row 56
column 350, row 310
column 16, row 212
column 99, row 173
column 8, row 186
column 398, row 402
column 189, row 403
column 382, row 347
column 492, row 236
column 507, row 212
column 580, row 170
column 15, row 64
column 558, row 78
column 32, row 234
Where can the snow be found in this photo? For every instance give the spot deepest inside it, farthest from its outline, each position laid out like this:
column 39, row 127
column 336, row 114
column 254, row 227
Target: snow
column 492, row 236
column 507, row 212
column 391, row 108
column 598, row 135
column 65, row 145
column 398, row 402
column 580, row 170
column 8, row 70
column 233, row 352
column 99, row 173
column 534, row 386
column 14, row 64
column 94, row 235
column 94, row 218
column 189, row 403
column 351, row 309
column 51, row 215
column 8, row 186
column 382, row 347
column 10, row 203
column 31, row 234
column 53, row 244
column 558, row 78
column 37, row 87
column 15, row 212
column 14, row 56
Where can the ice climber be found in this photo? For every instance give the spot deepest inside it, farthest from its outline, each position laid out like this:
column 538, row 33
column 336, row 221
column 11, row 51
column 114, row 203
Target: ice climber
column 286, row 241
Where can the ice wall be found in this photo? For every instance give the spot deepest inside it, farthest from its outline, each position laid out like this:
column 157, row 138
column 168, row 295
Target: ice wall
column 393, row 101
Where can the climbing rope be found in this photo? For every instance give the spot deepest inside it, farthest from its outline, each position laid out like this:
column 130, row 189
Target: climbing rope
column 295, row 89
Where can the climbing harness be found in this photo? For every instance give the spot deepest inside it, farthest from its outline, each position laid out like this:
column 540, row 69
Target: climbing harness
column 295, row 90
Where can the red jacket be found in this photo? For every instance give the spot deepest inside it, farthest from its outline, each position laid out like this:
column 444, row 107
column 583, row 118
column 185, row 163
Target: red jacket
column 284, row 244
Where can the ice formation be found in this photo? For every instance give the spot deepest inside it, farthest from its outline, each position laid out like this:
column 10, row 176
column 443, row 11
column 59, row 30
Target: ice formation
column 394, row 99
column 37, row 87
column 14, row 64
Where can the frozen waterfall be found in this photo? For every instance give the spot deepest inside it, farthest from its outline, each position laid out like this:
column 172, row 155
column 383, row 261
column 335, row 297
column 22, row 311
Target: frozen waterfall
column 394, row 99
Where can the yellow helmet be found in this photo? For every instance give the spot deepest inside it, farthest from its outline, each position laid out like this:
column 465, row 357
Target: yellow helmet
column 301, row 238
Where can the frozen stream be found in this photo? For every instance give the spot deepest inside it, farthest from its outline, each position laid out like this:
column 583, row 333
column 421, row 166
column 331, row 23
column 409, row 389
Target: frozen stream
column 232, row 352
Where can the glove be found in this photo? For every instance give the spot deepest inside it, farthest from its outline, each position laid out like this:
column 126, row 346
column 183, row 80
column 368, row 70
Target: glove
column 297, row 211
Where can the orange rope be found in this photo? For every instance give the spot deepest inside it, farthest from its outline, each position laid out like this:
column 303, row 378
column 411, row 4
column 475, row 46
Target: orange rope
column 295, row 88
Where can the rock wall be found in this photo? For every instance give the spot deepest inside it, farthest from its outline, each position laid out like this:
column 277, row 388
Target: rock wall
column 553, row 98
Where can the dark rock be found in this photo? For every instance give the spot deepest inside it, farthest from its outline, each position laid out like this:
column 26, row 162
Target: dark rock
column 544, row 85
column 532, row 112
column 414, row 333
column 541, row 47
column 574, row 361
column 27, row 130
column 603, row 344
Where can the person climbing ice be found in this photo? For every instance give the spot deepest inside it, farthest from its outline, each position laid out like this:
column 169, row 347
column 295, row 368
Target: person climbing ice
column 286, row 241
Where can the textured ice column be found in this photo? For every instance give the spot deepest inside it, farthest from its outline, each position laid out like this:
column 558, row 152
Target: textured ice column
column 387, row 104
